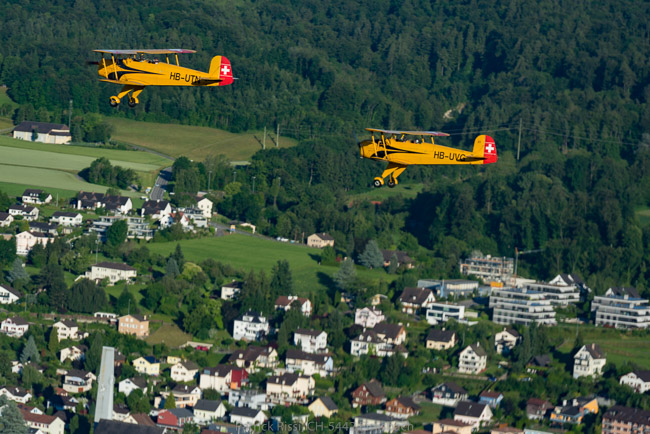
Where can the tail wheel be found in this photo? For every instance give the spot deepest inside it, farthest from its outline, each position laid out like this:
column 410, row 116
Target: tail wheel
column 392, row 182
column 114, row 101
column 378, row 182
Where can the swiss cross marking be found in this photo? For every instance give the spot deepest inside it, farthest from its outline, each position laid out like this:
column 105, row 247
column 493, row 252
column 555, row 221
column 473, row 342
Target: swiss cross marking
column 225, row 70
column 489, row 148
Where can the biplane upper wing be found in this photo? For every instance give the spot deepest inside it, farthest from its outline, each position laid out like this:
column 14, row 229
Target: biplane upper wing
column 412, row 133
column 149, row 51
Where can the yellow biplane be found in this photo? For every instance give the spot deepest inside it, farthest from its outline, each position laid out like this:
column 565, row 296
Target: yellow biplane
column 403, row 148
column 136, row 69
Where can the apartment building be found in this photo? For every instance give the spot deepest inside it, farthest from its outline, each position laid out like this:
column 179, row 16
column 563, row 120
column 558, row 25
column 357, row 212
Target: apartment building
column 621, row 308
column 619, row 419
column 488, row 268
column 521, row 306
column 441, row 312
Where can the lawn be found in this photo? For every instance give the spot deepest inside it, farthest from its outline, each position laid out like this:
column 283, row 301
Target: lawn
column 4, row 98
column 193, row 142
column 170, row 335
column 247, row 252
column 643, row 216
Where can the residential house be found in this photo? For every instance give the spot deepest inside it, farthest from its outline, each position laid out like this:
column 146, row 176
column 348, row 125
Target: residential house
column 9, row 295
column 68, row 329
column 157, row 209
column 402, row 407
column 43, row 423
column 538, row 363
column 383, row 340
column 177, row 217
column 447, row 426
column 440, row 339
column 184, row 371
column 505, row 340
column 308, row 363
column 403, row 259
column 639, row 380
column 250, row 326
column 174, row 418
column 574, row 411
column 369, row 393
column 285, row 303
column 26, row 240
column 247, row 416
column 572, row 280
column 147, row 365
column 589, row 361
column 415, row 299
column 493, row 399
column 27, row 212
column 75, row 352
column 206, row 411
column 255, row 357
column 323, row 407
column 42, row 132
column 132, row 324
column 78, row 381
column 622, row 308
column 6, row 219
column 35, row 196
column 44, row 228
column 121, row 413
column 113, row 271
column 223, row 378
column 130, row 384
column 231, row 290
column 64, row 218
column 521, row 306
column 137, row 227
column 537, row 409
column 619, row 419
column 377, row 423
column 205, row 205
column 118, row 204
column 488, row 268
column 320, row 240
column 63, row 401
column 16, row 393
column 184, row 395
column 287, row 389
column 472, row 360
column 441, row 312
column 310, row 341
column 249, row 398
column 88, row 200
column 448, row 394
column 473, row 413
column 172, row 360
column 368, row 317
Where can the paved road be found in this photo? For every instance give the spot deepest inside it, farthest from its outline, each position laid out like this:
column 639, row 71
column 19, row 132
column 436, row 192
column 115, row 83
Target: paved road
column 158, row 190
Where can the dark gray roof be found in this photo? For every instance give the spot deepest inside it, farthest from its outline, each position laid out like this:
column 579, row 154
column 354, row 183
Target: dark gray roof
column 437, row 335
column 4, row 215
column 292, row 353
column 628, row 415
column 415, row 295
column 207, row 405
column 407, row 401
column 455, row 388
column 595, row 351
column 643, row 375
column 308, row 332
column 115, row 266
column 138, row 381
column 65, row 214
column 244, row 412
column 11, row 290
column 478, row 350
column 387, row 329
column 32, row 192
column 328, row 403
column 541, row 360
column 623, row 291
column 115, row 427
column 325, row 237
column 469, row 408
column 153, row 206
column 374, row 388
column 378, row 417
column 40, row 127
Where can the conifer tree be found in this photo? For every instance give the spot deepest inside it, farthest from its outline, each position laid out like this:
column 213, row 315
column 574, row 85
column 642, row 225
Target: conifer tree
column 30, row 352
column 371, row 256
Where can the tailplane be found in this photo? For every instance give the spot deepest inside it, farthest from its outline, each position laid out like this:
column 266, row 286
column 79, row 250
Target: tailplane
column 485, row 148
column 220, row 67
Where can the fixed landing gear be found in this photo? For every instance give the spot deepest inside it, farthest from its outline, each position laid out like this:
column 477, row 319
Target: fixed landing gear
column 378, row 182
column 392, row 182
column 133, row 102
column 133, row 98
column 114, row 101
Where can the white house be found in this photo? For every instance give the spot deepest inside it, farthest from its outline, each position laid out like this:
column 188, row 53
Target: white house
column 415, row 299
column 289, row 388
column 473, row 413
column 16, row 393
column 36, row 196
column 68, row 329
column 14, row 327
column 638, row 380
column 589, row 361
column 320, row 240
column 285, row 303
column 184, row 395
column 42, row 423
column 440, row 312
column 505, row 340
column 297, row 361
column 26, row 240
column 383, row 340
column 472, row 360
column 75, row 352
column 206, row 411
column 130, row 384
column 67, row 218
column 368, row 317
column 184, row 371
column 247, row 416
column 250, row 326
column 6, row 219
column 231, row 290
column 29, row 213
column 205, row 205
column 222, row 378
column 42, row 132
column 310, row 341
column 112, row 271
column 9, row 295
column 78, row 381
column 157, row 209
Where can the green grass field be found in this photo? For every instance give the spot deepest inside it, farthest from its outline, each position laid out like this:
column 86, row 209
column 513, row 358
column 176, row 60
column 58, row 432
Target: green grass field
column 643, row 215
column 254, row 253
column 193, row 142
column 4, row 98
column 170, row 335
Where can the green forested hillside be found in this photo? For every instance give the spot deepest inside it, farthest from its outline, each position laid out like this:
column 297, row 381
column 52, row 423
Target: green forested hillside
column 572, row 77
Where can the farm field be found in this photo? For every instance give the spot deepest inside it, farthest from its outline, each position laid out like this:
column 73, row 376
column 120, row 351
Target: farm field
column 246, row 252
column 193, row 142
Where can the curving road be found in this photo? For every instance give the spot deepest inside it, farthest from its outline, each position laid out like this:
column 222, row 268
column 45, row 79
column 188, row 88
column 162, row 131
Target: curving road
column 158, row 190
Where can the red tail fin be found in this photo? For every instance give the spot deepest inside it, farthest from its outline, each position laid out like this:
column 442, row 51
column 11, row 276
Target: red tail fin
column 490, row 151
column 225, row 72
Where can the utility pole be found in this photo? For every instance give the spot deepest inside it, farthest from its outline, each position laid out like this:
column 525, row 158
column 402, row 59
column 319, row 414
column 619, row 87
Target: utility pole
column 209, row 179
column 253, row 184
column 264, row 139
column 96, row 249
column 70, row 117
column 519, row 141
column 277, row 136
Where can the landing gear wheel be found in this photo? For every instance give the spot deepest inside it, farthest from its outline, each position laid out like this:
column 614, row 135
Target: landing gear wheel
column 392, row 182
column 114, row 101
column 133, row 102
column 378, row 182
